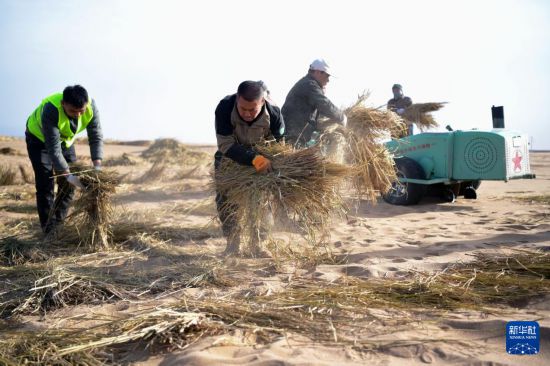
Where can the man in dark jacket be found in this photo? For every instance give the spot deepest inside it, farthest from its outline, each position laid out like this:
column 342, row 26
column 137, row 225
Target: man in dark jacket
column 306, row 102
column 242, row 120
column 398, row 104
column 50, row 134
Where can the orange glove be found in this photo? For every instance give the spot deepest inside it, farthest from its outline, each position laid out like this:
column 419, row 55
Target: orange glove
column 262, row 164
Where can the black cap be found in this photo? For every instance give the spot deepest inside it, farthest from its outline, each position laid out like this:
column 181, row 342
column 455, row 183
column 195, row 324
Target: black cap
column 397, row 86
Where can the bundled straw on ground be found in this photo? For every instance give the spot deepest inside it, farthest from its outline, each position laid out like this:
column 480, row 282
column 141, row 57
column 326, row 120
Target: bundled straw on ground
column 361, row 147
column 303, row 184
column 10, row 151
column 8, row 175
column 172, row 151
column 420, row 114
column 93, row 209
column 123, row 160
column 27, row 175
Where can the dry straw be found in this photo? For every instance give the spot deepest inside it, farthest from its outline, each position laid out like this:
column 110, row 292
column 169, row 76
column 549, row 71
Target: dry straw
column 8, row 175
column 329, row 313
column 304, row 185
column 420, row 114
column 172, row 151
column 27, row 174
column 360, row 146
column 93, row 209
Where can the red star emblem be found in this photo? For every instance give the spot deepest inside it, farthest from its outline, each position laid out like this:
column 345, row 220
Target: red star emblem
column 517, row 161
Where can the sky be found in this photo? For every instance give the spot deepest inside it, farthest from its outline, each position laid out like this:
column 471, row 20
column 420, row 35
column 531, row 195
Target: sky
column 159, row 68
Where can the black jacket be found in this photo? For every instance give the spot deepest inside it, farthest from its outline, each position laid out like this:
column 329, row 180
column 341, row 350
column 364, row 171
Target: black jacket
column 225, row 130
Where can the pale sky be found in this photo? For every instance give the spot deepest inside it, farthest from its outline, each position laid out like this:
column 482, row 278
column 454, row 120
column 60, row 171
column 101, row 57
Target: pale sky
column 158, row 68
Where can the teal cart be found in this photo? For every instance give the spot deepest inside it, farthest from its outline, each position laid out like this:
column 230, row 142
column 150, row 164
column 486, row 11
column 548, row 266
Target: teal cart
column 454, row 163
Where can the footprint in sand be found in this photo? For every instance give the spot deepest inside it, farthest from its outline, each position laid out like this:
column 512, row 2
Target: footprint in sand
column 357, row 271
column 398, row 260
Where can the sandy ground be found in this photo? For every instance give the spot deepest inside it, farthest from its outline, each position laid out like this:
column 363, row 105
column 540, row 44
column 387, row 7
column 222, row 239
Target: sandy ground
column 376, row 241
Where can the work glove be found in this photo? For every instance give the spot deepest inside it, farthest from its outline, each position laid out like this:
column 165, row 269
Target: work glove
column 345, row 121
column 74, row 181
column 400, row 111
column 262, row 164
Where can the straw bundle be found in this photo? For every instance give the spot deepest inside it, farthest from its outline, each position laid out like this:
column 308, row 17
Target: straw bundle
column 8, row 175
column 10, row 151
column 123, row 160
column 303, row 183
column 93, row 210
column 27, row 174
column 420, row 114
column 360, row 144
column 170, row 150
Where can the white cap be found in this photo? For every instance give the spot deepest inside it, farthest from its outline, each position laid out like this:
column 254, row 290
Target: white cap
column 320, row 65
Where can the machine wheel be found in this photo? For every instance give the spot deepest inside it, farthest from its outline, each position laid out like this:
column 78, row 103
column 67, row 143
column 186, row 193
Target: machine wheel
column 403, row 193
column 448, row 195
column 468, row 189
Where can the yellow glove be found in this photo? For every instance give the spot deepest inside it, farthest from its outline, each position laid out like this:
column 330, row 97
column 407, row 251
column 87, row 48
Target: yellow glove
column 262, row 164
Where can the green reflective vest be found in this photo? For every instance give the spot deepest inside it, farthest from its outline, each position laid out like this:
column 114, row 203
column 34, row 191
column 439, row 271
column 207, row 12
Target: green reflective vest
column 34, row 123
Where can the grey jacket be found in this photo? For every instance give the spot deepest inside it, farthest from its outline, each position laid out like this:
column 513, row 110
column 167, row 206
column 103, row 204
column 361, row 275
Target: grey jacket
column 304, row 104
column 50, row 117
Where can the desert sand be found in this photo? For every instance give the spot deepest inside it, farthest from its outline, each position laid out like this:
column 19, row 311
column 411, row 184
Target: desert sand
column 372, row 242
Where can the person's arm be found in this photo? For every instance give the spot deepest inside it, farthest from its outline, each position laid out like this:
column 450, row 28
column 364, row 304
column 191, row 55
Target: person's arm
column 95, row 137
column 407, row 102
column 325, row 107
column 226, row 141
column 52, row 138
column 277, row 124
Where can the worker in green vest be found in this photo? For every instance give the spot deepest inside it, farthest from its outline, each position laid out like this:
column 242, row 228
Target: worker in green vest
column 50, row 134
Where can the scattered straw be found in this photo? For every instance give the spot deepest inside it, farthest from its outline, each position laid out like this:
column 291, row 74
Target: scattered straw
column 154, row 173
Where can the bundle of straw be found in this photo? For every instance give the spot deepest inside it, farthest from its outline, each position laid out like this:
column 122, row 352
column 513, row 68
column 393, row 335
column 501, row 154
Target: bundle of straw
column 170, row 150
column 93, row 209
column 8, row 175
column 360, row 144
column 303, row 183
column 419, row 113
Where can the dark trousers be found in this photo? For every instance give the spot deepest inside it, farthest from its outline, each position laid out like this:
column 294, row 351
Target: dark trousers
column 226, row 212
column 50, row 211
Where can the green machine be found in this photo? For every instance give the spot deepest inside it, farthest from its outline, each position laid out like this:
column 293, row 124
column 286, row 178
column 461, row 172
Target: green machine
column 454, row 163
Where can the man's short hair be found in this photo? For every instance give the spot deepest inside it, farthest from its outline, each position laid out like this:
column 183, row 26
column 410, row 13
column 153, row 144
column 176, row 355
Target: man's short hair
column 252, row 90
column 75, row 95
